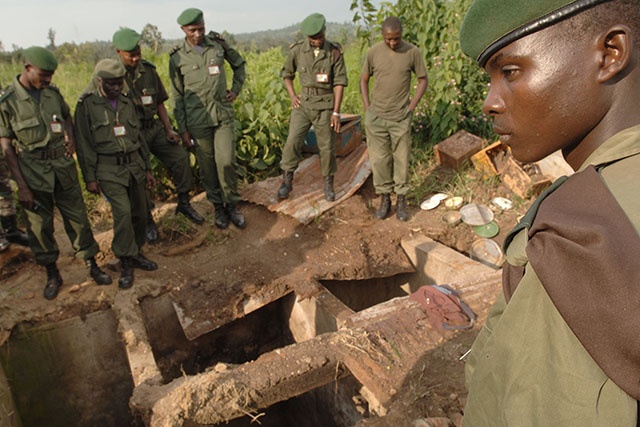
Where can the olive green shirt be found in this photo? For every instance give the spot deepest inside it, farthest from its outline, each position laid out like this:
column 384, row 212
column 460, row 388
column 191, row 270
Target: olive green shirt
column 527, row 368
column 391, row 71
column 102, row 130
column 321, row 72
column 37, row 126
column 145, row 89
column 199, row 83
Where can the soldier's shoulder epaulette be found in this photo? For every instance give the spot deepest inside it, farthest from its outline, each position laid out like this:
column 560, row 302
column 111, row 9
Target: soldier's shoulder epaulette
column 4, row 93
column 150, row 64
column 294, row 44
column 174, row 49
column 84, row 96
column 54, row 87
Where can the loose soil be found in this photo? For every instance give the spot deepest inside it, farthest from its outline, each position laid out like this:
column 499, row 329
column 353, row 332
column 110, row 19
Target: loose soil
column 274, row 253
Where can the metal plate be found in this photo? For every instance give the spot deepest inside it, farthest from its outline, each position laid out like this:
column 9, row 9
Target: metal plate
column 475, row 214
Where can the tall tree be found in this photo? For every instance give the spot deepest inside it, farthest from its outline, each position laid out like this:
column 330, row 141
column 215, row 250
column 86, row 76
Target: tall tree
column 152, row 37
column 52, row 38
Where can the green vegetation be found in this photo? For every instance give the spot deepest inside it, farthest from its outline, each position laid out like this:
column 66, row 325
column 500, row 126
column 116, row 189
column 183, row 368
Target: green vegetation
column 452, row 102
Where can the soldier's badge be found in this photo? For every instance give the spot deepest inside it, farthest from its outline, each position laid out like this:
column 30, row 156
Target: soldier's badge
column 214, row 70
column 56, row 128
column 119, row 130
column 146, row 99
column 322, row 78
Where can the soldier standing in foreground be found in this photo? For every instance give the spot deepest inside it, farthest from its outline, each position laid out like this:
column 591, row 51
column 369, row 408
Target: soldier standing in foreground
column 35, row 116
column 323, row 76
column 204, row 110
column 148, row 94
column 115, row 161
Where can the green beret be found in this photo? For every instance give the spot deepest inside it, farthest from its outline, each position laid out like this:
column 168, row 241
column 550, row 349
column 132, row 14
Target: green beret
column 490, row 25
column 312, row 24
column 110, row 69
column 41, row 58
column 190, row 16
column 126, row 39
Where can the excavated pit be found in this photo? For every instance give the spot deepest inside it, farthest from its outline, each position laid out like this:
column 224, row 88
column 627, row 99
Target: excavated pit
column 330, row 357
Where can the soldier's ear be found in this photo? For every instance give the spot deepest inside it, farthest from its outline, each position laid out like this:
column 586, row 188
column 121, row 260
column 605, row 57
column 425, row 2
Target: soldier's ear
column 615, row 49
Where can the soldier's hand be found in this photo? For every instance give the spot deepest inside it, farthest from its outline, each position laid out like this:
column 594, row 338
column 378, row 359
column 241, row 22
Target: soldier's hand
column 172, row 136
column 70, row 148
column 335, row 123
column 295, row 101
column 151, row 181
column 93, row 187
column 187, row 141
column 25, row 196
column 231, row 95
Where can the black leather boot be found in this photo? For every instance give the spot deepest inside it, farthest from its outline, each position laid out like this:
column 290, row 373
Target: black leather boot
column 235, row 216
column 222, row 219
column 98, row 276
column 329, row 194
column 151, row 231
column 12, row 233
column 385, row 205
column 401, row 209
column 185, row 208
column 54, row 281
column 126, row 273
column 287, row 185
column 141, row 262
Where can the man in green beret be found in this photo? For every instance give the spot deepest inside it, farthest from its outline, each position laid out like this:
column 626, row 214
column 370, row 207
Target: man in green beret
column 204, row 111
column 560, row 346
column 148, row 94
column 36, row 118
column 323, row 77
column 388, row 116
column 115, row 162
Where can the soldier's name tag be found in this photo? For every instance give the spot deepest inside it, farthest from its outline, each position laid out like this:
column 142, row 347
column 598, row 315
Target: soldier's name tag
column 214, row 70
column 119, row 130
column 56, row 127
column 322, row 78
column 146, row 99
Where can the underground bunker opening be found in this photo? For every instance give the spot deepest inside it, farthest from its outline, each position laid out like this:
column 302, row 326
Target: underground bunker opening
column 359, row 295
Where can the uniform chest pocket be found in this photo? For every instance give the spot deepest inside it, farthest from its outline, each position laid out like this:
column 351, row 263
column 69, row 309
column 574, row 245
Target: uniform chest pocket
column 192, row 74
column 147, row 96
column 101, row 128
column 29, row 130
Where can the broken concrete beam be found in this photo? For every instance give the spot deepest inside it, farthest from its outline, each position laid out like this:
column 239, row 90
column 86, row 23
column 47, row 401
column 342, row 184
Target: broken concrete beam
column 456, row 150
column 221, row 395
column 437, row 264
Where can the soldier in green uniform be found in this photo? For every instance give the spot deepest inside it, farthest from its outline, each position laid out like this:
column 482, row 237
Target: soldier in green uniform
column 115, row 162
column 560, row 345
column 323, row 76
column 204, row 110
column 34, row 115
column 148, row 94
column 388, row 117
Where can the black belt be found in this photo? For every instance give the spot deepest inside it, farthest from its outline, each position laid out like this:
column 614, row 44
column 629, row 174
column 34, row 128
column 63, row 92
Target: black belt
column 118, row 158
column 316, row 91
column 147, row 123
column 52, row 154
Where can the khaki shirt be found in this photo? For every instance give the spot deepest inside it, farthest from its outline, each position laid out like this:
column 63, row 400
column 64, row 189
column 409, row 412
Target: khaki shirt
column 319, row 73
column 527, row 368
column 38, row 127
column 199, row 83
column 391, row 71
column 104, row 133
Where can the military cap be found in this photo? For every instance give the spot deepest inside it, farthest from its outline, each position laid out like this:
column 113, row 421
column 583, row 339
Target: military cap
column 110, row 69
column 126, row 39
column 490, row 25
column 190, row 16
column 41, row 58
column 312, row 24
